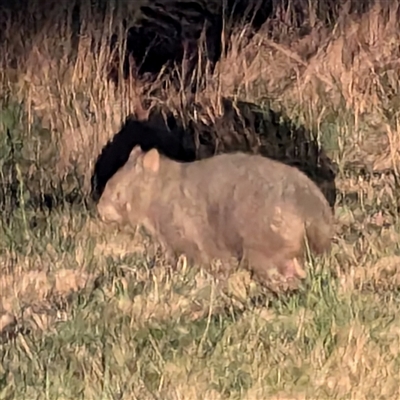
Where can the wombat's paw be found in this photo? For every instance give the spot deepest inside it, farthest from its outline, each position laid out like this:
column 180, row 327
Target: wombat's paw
column 293, row 269
column 161, row 253
column 287, row 278
column 281, row 285
column 222, row 269
column 173, row 259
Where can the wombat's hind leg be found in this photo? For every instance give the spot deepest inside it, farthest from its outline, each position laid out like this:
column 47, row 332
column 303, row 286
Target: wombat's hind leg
column 292, row 272
column 276, row 273
column 262, row 267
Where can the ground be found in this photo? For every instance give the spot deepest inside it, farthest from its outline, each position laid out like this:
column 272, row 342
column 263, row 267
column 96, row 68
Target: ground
column 89, row 312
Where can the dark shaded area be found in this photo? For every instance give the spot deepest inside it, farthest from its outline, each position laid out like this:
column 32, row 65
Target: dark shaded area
column 13, row 197
column 164, row 134
column 168, row 32
column 242, row 127
column 27, row 194
column 163, row 33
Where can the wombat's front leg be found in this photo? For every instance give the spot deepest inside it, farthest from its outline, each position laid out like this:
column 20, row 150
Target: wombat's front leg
column 159, row 244
column 167, row 251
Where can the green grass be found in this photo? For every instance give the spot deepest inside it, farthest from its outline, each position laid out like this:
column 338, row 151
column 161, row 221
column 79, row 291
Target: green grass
column 136, row 328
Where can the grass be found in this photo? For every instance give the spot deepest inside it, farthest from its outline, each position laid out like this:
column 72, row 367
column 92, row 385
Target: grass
column 88, row 312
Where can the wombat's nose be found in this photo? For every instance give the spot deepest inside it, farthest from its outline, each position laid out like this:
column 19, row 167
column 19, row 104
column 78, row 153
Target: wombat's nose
column 101, row 211
column 108, row 213
column 104, row 217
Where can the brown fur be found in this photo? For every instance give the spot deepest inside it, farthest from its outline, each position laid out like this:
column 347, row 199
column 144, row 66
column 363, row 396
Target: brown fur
column 246, row 206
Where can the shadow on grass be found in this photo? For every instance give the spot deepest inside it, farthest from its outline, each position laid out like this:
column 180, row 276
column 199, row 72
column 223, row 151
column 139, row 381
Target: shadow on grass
column 166, row 34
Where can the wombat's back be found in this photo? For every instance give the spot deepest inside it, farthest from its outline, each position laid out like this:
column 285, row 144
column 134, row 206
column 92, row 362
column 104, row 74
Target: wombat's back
column 247, row 175
column 250, row 187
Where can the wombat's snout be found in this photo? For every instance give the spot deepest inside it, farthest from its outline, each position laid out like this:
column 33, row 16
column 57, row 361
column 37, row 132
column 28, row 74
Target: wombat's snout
column 108, row 212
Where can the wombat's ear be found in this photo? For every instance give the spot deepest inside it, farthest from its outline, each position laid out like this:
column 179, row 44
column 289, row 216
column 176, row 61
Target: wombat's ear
column 151, row 160
column 135, row 153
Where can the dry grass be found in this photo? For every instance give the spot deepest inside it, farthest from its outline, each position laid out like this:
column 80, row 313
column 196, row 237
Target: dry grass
column 93, row 313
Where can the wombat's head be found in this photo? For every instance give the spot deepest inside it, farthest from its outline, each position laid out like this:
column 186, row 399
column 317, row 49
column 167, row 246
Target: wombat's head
column 127, row 194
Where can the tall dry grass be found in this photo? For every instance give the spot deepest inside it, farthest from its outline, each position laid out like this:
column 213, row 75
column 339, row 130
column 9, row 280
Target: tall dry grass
column 348, row 71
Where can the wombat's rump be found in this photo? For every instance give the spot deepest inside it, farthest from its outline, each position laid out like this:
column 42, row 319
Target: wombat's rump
column 247, row 206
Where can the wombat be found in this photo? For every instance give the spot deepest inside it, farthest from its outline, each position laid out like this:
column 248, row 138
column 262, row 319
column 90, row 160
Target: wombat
column 231, row 205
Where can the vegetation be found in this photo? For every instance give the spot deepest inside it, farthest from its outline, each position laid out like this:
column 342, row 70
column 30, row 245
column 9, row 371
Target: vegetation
column 88, row 312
